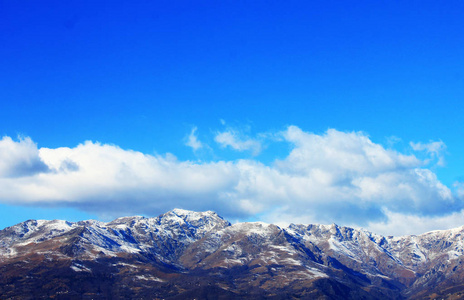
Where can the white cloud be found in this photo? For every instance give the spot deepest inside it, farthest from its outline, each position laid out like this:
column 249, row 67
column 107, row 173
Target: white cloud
column 233, row 139
column 340, row 177
column 459, row 186
column 346, row 178
column 398, row 224
column 192, row 140
column 19, row 158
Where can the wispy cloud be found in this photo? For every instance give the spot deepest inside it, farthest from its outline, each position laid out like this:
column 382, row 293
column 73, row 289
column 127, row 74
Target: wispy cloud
column 337, row 176
column 192, row 140
column 237, row 141
column 435, row 149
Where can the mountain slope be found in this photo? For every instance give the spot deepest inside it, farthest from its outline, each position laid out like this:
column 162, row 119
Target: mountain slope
column 185, row 254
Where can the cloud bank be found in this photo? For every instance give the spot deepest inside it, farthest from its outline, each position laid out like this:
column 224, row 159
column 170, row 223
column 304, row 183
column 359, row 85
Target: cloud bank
column 340, row 177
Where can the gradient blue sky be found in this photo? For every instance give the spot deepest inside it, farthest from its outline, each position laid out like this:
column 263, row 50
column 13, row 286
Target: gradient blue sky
column 141, row 75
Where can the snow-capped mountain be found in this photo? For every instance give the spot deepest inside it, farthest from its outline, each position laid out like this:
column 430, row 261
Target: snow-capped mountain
column 184, row 254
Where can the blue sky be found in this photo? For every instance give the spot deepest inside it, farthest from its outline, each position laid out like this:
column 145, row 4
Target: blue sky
column 225, row 87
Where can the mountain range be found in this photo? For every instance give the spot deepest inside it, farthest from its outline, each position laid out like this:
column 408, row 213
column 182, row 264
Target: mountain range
column 199, row 255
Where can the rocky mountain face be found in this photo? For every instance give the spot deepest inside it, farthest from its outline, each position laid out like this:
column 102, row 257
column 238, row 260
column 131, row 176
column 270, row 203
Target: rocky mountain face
column 199, row 255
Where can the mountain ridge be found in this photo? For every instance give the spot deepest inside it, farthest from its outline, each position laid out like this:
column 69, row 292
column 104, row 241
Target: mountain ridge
column 199, row 253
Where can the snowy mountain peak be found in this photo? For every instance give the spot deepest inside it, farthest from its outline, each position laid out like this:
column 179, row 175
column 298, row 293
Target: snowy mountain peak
column 200, row 222
column 259, row 228
column 127, row 219
column 189, row 215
